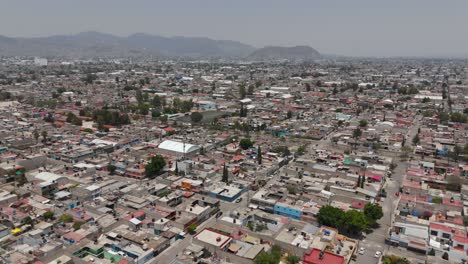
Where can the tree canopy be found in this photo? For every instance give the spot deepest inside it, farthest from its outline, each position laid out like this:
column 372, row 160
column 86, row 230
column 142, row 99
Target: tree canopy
column 155, row 166
column 246, row 143
column 352, row 221
column 373, row 211
column 363, row 123
column 272, row 257
column 330, row 216
column 393, row 259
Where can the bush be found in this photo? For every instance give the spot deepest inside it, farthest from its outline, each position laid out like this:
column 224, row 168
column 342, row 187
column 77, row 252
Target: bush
column 291, row 259
column 66, row 218
column 437, row 200
column 77, row 225
column 392, row 259
column 191, row 228
column 48, row 215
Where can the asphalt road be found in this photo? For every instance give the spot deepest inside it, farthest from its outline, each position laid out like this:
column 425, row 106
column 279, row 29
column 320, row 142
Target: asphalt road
column 375, row 241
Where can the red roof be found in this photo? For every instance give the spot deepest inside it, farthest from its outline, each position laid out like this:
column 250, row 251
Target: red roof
column 238, row 158
column 188, row 194
column 358, row 205
column 73, row 236
column 460, row 239
column 440, row 227
column 313, row 257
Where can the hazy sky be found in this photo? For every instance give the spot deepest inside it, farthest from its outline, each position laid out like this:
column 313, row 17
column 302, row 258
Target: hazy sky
column 345, row 27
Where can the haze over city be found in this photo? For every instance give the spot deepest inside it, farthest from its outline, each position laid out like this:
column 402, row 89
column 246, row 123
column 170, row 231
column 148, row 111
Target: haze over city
column 350, row 28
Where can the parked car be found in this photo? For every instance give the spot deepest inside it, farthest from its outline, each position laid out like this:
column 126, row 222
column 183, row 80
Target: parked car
column 378, row 254
column 361, row 251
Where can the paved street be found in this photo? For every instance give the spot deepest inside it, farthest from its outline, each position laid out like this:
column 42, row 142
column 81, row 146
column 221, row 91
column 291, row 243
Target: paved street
column 375, row 241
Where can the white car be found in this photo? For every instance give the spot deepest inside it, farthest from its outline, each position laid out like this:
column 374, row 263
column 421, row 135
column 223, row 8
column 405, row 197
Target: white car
column 378, row 254
column 361, row 251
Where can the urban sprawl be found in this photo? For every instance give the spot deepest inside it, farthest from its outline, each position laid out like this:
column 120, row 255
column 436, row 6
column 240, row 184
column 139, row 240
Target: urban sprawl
column 148, row 161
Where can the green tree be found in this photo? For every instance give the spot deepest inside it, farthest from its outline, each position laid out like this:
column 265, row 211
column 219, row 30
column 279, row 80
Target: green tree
column 443, row 117
column 111, row 169
column 36, row 134
column 373, row 211
column 48, row 215
column 143, row 108
column 27, row 221
column 163, row 118
column 393, row 259
column 139, row 96
column 291, row 189
column 44, row 135
column 455, row 153
column 272, row 257
column 155, row 114
column 330, row 216
column 250, row 89
column 90, row 78
column 77, row 224
column 246, row 143
column 357, row 133
column 155, row 166
column 72, row 118
column 65, row 218
column 191, row 228
column 376, row 146
column 445, row 256
column 300, row 150
column 354, row 222
column 289, row 114
column 225, row 177
column 458, row 117
column 363, row 123
column 416, row 140
column 196, row 117
column 243, row 111
column 259, row 155
column 291, row 259
column 242, row 91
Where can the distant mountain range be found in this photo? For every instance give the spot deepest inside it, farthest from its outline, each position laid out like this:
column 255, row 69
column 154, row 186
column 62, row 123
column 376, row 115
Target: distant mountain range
column 96, row 44
column 285, row 53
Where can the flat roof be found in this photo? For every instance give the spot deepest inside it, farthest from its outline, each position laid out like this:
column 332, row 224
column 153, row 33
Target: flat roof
column 213, row 238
